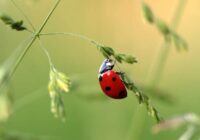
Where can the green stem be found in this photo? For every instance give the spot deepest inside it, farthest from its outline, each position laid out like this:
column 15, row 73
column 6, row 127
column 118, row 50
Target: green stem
column 46, row 52
column 20, row 58
column 47, row 18
column 20, row 10
column 73, row 35
column 160, row 62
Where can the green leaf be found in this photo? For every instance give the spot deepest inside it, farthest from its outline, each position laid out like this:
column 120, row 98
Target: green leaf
column 6, row 19
column 147, row 12
column 130, row 59
column 118, row 57
column 162, row 27
column 125, row 58
column 106, row 51
column 179, row 42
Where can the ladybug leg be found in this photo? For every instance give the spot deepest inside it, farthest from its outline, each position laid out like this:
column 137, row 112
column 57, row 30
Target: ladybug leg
column 121, row 76
column 120, row 73
column 124, row 80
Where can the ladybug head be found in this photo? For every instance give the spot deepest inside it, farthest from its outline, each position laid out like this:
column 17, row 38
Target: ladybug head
column 107, row 64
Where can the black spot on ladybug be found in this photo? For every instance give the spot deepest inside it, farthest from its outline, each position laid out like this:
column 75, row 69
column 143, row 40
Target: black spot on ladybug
column 108, row 88
column 100, row 78
column 121, row 93
column 114, row 79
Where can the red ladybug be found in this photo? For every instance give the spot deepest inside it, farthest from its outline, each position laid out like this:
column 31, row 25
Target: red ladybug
column 110, row 81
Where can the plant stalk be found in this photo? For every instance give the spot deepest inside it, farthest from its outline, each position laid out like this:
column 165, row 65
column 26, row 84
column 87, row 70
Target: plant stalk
column 158, row 68
column 35, row 36
column 72, row 35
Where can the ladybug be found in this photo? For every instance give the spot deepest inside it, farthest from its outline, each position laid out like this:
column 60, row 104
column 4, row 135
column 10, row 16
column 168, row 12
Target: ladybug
column 110, row 81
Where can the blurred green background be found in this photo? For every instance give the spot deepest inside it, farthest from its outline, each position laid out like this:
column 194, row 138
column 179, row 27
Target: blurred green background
column 89, row 114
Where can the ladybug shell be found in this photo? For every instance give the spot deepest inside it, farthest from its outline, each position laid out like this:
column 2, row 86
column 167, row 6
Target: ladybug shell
column 112, row 85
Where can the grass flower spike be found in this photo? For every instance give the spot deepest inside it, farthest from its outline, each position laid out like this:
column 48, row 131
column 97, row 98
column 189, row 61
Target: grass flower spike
column 58, row 84
column 168, row 32
column 190, row 121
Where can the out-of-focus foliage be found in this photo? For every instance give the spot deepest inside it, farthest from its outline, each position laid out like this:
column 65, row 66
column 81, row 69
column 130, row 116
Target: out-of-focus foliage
column 16, row 25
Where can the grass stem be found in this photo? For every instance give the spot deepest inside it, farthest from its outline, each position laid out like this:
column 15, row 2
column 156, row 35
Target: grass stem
column 35, row 36
column 157, row 70
column 73, row 35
